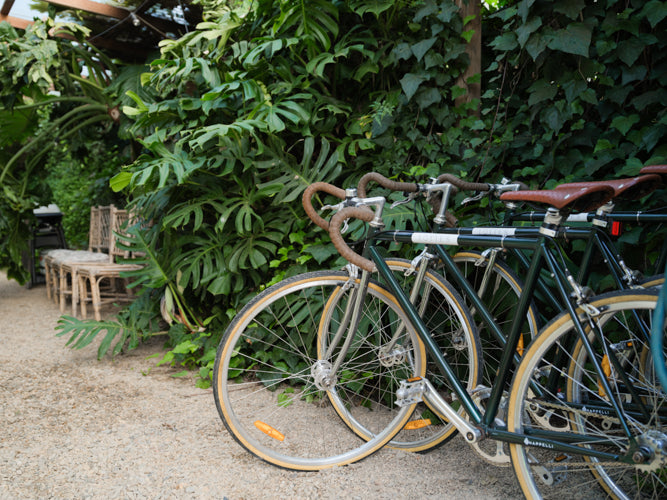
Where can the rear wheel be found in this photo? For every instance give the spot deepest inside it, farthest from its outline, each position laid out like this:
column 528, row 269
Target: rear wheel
column 557, row 390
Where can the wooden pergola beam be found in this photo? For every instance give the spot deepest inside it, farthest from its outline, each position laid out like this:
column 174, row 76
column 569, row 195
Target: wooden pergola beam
column 86, row 5
column 94, row 7
column 121, row 47
column 160, row 26
column 6, row 7
column 16, row 22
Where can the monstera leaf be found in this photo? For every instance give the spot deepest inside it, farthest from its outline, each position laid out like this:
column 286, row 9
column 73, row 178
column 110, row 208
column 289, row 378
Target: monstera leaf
column 319, row 162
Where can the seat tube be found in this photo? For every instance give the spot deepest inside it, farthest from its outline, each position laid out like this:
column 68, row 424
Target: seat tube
column 507, row 357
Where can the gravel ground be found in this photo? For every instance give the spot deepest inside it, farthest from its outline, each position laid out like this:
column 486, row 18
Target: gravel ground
column 75, row 427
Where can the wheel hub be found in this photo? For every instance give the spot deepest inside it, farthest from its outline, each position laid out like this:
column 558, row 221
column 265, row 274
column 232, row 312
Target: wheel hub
column 391, row 357
column 322, row 377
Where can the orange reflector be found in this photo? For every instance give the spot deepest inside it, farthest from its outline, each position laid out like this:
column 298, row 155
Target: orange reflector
column 606, row 369
column 606, row 366
column 414, row 379
column 269, row 431
column 417, row 424
column 519, row 347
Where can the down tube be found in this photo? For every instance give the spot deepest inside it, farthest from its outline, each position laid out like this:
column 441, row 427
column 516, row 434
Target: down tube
column 425, row 336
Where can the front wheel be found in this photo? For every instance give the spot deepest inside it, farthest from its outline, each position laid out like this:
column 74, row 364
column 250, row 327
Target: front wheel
column 273, row 380
column 451, row 327
column 559, row 393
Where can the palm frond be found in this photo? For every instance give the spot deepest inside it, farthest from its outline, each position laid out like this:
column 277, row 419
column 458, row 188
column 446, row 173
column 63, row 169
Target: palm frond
column 83, row 332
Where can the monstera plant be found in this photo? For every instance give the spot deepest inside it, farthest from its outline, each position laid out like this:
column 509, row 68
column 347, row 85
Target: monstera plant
column 237, row 117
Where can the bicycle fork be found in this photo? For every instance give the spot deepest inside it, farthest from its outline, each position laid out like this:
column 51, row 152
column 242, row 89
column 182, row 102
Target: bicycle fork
column 323, row 371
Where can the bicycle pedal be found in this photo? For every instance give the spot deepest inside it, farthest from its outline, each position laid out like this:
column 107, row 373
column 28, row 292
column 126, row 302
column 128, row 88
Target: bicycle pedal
column 410, row 391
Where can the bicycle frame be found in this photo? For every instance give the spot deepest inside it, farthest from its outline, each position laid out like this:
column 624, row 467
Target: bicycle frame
column 485, row 420
column 607, row 245
column 597, row 240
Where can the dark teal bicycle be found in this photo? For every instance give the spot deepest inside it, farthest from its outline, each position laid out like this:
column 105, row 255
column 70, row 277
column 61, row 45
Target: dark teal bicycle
column 317, row 362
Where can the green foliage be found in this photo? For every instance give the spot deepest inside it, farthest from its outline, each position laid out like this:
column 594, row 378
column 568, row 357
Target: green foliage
column 236, row 118
column 79, row 178
column 577, row 92
column 580, row 88
column 83, row 332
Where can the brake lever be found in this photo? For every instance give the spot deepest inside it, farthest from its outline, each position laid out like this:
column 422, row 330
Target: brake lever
column 473, row 198
column 405, row 201
column 335, row 208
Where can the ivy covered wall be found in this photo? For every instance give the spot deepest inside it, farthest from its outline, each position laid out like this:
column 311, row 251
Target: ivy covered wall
column 580, row 88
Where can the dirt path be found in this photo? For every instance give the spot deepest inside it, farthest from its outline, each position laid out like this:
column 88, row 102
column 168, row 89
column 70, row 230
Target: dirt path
column 75, row 427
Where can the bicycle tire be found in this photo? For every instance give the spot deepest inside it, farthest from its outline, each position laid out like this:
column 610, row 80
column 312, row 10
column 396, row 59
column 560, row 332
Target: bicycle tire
column 653, row 281
column 450, row 323
column 268, row 362
column 570, row 402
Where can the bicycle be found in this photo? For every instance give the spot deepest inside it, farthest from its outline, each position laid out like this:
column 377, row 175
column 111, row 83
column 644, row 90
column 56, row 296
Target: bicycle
column 632, row 347
column 487, row 285
column 585, row 315
column 324, row 289
column 493, row 270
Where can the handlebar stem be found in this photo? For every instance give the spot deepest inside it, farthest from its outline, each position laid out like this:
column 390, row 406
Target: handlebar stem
column 446, row 189
column 376, row 202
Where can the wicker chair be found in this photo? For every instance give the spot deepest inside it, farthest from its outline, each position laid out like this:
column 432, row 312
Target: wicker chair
column 92, row 276
column 57, row 262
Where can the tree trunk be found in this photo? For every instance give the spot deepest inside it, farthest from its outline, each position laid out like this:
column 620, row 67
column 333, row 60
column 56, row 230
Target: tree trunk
column 474, row 51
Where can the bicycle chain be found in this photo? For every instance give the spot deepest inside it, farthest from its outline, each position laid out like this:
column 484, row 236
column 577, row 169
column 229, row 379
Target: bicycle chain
column 549, row 405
